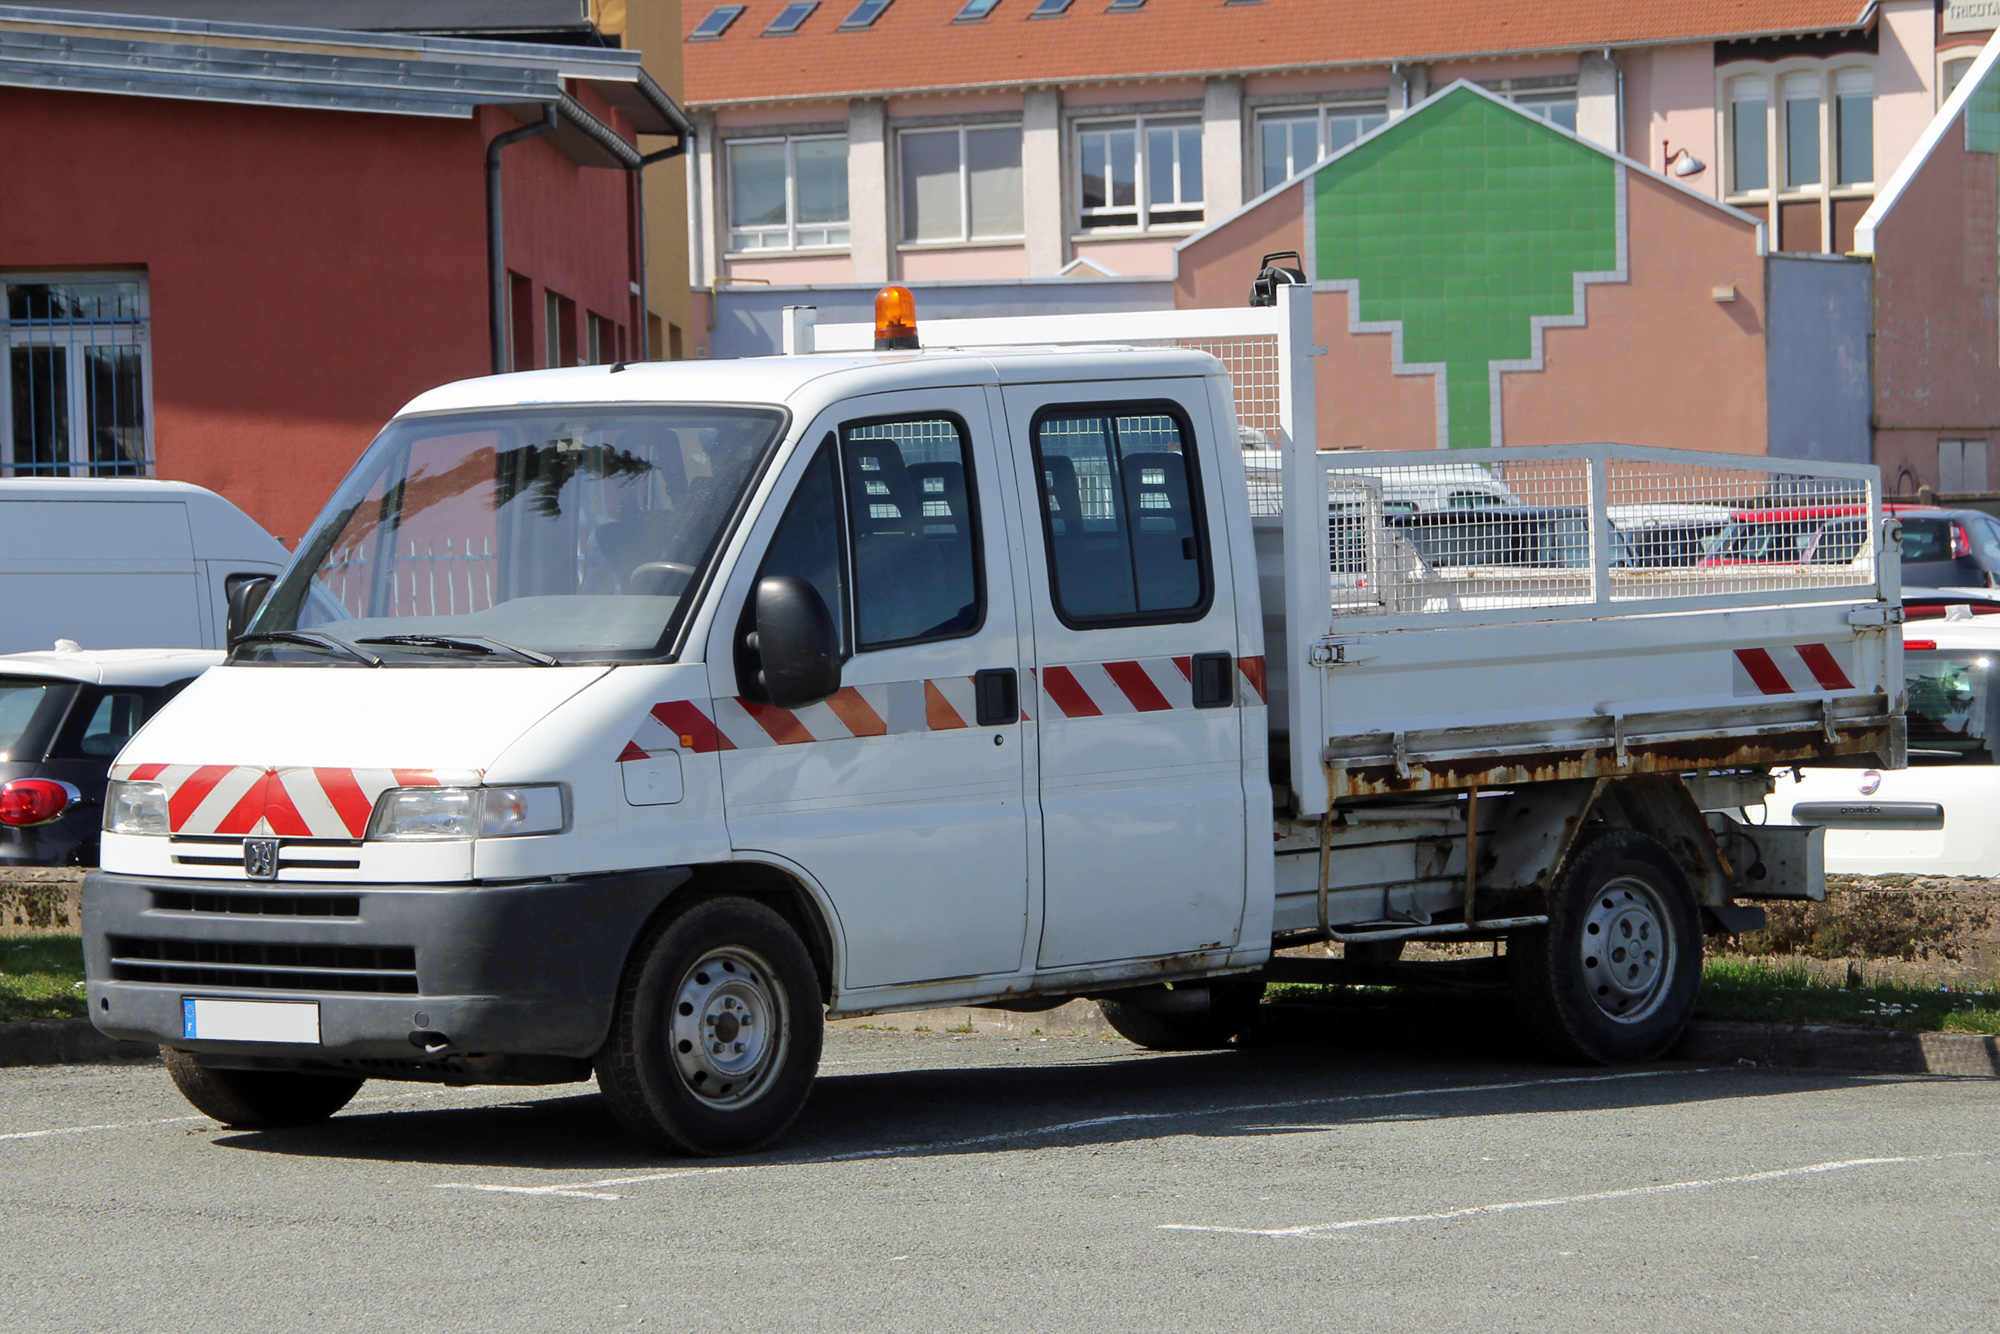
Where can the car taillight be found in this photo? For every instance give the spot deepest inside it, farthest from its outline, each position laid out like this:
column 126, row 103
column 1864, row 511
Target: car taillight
column 1961, row 545
column 27, row 801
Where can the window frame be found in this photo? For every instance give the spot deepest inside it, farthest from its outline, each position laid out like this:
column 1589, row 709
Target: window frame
column 791, row 227
column 1321, row 113
column 966, row 236
column 1197, row 506
column 136, row 332
column 1827, row 72
column 1142, row 209
column 978, row 534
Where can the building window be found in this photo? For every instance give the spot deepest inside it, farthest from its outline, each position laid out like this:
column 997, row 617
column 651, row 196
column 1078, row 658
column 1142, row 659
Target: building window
column 558, row 330
column 76, row 399
column 1290, row 140
column 961, row 184
column 787, row 194
column 1854, row 126
column 1955, row 70
column 1558, row 108
column 1749, row 150
column 603, row 342
column 1800, row 143
column 1139, row 173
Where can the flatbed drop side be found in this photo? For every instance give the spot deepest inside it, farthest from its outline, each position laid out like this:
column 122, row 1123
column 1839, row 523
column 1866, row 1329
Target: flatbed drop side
column 629, row 720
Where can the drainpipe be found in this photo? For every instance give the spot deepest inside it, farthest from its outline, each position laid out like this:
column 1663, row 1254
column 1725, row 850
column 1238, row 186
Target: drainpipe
column 680, row 146
column 496, row 254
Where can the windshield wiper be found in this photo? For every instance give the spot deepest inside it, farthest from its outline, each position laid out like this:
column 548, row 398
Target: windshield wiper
column 467, row 644
column 311, row 639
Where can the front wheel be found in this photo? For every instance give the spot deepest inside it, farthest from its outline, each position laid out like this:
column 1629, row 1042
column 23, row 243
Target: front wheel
column 1612, row 977
column 258, row 1099
column 717, row 1033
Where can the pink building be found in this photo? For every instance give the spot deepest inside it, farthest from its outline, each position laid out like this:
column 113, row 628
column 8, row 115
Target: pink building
column 951, row 141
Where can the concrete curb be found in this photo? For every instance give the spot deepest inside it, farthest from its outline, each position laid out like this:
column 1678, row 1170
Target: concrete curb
column 66, row 1042
column 1889, row 1051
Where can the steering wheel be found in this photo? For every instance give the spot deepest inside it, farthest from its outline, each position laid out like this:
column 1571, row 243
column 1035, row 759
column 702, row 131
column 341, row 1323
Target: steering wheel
column 657, row 578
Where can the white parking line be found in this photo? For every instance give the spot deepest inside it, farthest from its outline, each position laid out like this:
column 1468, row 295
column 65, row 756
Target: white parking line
column 177, row 1120
column 597, row 1190
column 1776, row 1174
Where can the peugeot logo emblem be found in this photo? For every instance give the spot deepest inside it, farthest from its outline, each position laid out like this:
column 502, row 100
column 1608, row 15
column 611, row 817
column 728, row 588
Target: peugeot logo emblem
column 1870, row 780
column 260, row 858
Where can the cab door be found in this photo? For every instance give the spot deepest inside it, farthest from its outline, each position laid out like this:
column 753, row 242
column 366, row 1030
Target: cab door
column 1137, row 690
column 905, row 795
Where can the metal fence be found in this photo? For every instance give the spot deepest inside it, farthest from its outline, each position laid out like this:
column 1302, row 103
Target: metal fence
column 1492, row 534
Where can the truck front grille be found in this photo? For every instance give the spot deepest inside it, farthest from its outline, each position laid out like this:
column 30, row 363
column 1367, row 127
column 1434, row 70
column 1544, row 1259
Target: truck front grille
column 225, row 963
column 259, row 905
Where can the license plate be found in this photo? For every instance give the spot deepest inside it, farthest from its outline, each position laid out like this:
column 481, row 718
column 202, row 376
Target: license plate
column 250, row 1021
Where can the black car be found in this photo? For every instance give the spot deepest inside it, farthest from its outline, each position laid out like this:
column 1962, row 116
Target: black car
column 64, row 716
column 1949, row 548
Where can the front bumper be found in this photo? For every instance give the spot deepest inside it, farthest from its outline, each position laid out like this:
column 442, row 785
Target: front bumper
column 501, row 972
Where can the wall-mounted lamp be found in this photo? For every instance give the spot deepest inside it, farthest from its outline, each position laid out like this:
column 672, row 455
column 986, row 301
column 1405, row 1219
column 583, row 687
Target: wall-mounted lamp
column 1681, row 162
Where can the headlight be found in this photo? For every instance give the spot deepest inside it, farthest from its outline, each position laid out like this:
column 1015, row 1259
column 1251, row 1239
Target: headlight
column 423, row 814
column 135, row 808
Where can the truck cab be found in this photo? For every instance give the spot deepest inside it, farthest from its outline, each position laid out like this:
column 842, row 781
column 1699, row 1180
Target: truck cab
column 620, row 719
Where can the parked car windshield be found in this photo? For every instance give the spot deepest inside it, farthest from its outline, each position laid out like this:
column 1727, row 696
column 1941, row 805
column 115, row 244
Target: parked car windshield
column 1949, row 702
column 571, row 533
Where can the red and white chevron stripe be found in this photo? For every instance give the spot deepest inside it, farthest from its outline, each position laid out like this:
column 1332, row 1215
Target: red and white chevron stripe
column 940, row 704
column 1800, row 669
column 1136, row 685
column 292, row 802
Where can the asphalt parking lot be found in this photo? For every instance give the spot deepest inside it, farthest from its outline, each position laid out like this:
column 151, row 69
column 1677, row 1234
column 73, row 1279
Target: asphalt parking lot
column 941, row 1182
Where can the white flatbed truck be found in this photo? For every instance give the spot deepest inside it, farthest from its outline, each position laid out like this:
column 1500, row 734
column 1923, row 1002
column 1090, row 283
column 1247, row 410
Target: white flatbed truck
column 630, row 720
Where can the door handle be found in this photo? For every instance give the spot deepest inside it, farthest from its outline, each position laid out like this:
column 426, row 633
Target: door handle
column 999, row 693
column 1214, row 686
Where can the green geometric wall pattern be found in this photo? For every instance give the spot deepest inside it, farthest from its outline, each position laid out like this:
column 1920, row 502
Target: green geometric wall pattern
column 1464, row 229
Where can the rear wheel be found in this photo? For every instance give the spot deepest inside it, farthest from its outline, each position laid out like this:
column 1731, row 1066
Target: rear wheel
column 258, row 1099
column 717, row 1033
column 1613, row 976
column 1157, row 1019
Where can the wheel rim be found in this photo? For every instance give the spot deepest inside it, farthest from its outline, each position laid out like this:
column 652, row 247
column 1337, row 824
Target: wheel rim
column 728, row 1031
column 1627, row 950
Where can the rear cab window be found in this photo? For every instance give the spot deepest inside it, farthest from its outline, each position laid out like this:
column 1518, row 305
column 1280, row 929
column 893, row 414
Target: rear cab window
column 1951, row 706
column 1122, row 514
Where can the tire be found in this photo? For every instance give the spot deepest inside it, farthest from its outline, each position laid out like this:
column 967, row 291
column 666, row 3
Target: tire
column 258, row 1099
column 678, row 1071
column 1232, row 1006
column 1612, row 977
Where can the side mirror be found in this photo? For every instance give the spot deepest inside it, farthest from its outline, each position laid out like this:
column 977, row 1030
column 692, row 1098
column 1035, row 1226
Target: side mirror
column 796, row 643
column 246, row 594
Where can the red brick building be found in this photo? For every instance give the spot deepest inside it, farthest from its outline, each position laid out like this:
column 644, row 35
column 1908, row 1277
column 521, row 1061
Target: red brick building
column 229, row 252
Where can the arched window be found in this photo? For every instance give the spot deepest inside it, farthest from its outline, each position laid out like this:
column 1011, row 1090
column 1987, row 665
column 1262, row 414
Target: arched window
column 1749, row 144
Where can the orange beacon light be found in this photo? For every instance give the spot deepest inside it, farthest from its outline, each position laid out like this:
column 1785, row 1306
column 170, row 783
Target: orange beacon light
column 895, row 319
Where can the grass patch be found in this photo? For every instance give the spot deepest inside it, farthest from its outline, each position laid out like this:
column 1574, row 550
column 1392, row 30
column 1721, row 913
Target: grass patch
column 41, row 977
column 1786, row 993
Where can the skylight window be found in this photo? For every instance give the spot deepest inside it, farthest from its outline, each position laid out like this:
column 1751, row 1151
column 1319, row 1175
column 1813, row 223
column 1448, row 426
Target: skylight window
column 1048, row 9
column 1116, row 5
column 864, row 14
column 975, row 10
column 716, row 23
column 790, row 17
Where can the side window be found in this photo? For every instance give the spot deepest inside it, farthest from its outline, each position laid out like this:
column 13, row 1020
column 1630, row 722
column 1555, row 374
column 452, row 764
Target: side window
column 1840, row 543
column 1122, row 514
column 808, row 541
column 910, row 510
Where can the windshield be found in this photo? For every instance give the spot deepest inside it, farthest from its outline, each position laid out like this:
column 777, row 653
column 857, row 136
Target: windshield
column 1948, row 705
column 571, row 533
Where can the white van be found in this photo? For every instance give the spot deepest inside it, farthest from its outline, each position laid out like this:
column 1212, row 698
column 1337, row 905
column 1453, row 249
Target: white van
column 122, row 562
